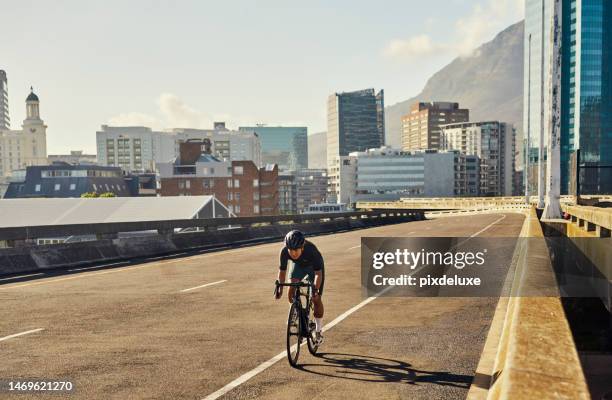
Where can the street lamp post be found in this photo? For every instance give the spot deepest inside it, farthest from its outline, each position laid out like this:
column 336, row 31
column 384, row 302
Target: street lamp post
column 526, row 165
column 552, row 210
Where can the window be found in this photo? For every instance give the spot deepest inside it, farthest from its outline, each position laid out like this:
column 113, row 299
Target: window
column 237, row 209
column 255, row 182
column 229, row 183
column 57, row 187
column 236, row 183
column 238, row 170
column 187, row 184
column 256, row 196
column 181, row 185
column 230, row 196
column 256, row 209
column 73, row 186
column 37, row 187
column 237, row 196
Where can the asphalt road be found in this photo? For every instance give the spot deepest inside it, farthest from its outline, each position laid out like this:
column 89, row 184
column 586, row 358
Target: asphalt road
column 154, row 331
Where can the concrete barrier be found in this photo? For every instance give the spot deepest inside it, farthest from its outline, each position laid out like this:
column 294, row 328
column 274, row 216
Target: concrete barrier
column 30, row 258
column 529, row 352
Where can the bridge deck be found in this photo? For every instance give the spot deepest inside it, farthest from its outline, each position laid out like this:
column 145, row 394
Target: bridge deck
column 135, row 331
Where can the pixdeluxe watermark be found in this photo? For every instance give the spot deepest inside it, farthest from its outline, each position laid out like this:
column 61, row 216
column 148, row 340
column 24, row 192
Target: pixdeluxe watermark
column 484, row 266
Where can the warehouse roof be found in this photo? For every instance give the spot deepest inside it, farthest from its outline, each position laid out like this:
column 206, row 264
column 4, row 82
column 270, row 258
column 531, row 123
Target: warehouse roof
column 60, row 211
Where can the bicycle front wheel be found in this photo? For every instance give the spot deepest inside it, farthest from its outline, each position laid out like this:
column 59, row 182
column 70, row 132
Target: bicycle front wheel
column 294, row 334
column 311, row 339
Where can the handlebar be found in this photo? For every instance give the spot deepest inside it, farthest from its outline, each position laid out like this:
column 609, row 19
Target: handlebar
column 277, row 285
column 294, row 284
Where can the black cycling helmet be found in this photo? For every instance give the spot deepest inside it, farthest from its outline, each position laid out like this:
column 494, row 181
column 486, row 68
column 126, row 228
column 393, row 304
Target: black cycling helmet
column 294, row 240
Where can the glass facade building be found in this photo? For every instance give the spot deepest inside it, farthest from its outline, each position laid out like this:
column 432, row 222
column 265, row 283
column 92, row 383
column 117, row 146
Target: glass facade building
column 355, row 122
column 586, row 89
column 286, row 146
column 5, row 121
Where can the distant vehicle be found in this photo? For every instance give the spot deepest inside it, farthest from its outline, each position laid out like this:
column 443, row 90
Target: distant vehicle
column 325, row 208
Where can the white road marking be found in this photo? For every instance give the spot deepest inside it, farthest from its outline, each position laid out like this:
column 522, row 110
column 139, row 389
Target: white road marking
column 354, row 247
column 488, row 226
column 203, row 286
column 21, row 334
column 132, row 267
column 21, row 276
column 267, row 364
column 96, row 266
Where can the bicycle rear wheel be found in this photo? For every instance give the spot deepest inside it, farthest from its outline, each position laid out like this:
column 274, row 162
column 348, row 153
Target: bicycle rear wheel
column 294, row 335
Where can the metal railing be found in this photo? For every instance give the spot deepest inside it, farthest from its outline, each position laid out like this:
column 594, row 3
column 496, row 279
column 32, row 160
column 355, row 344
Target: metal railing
column 169, row 226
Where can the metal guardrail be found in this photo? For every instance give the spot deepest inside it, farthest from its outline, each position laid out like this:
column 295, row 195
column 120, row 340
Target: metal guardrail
column 447, row 203
column 168, row 226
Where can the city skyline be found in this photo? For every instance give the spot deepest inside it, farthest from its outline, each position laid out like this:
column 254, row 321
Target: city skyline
column 184, row 76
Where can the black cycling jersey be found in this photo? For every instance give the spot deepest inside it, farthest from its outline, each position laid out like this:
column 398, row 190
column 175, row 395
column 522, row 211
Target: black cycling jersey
column 311, row 257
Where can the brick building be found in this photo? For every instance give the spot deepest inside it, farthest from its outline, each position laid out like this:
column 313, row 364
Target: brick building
column 240, row 185
column 421, row 126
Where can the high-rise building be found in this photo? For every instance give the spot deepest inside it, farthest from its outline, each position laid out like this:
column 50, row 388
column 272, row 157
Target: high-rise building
column 421, row 126
column 5, row 121
column 494, row 143
column 586, row 88
column 286, row 146
column 140, row 148
column 355, row 122
column 25, row 147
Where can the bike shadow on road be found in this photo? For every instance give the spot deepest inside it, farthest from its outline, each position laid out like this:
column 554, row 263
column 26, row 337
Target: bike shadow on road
column 377, row 370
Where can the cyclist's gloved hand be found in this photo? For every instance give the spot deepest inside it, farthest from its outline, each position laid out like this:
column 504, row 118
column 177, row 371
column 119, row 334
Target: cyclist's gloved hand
column 278, row 290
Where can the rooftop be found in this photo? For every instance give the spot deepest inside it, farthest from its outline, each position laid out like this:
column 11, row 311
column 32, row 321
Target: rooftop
column 59, row 211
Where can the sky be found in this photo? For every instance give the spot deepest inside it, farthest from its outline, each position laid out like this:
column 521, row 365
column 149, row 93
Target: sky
column 167, row 64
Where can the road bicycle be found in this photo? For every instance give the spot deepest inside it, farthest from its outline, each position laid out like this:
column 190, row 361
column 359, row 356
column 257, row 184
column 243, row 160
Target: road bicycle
column 300, row 323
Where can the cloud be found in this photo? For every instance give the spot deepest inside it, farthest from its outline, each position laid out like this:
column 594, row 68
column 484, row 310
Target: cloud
column 173, row 112
column 134, row 119
column 414, row 47
column 482, row 23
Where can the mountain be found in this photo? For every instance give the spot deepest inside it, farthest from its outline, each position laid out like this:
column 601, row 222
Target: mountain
column 489, row 83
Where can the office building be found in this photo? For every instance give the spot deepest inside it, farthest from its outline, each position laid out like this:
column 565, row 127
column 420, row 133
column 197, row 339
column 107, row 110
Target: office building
column 286, row 146
column 355, row 122
column 586, row 89
column 311, row 186
column 287, row 193
column 25, row 147
column 390, row 174
column 243, row 187
column 421, row 126
column 494, row 143
column 5, row 120
column 139, row 148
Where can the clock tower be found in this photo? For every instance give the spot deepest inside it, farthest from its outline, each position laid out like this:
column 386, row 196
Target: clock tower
column 34, row 133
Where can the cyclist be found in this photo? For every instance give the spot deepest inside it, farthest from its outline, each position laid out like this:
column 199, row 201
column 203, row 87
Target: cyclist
column 307, row 260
